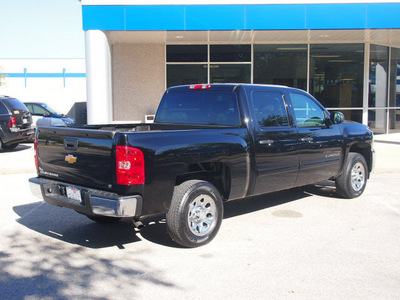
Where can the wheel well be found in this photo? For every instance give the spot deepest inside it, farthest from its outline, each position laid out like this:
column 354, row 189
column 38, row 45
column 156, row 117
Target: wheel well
column 364, row 150
column 217, row 174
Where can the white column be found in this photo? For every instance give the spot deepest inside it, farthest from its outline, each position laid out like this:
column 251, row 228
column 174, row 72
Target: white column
column 366, row 83
column 98, row 77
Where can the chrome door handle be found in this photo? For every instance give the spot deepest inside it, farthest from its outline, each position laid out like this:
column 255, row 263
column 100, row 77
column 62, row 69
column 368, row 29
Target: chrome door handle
column 266, row 142
column 307, row 139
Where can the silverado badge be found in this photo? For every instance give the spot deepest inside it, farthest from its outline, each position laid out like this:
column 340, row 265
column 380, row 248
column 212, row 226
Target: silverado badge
column 70, row 159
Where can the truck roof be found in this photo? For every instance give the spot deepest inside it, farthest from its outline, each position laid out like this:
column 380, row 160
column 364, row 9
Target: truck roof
column 217, row 87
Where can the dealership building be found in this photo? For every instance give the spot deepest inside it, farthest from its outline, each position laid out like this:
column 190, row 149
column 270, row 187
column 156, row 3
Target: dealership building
column 344, row 53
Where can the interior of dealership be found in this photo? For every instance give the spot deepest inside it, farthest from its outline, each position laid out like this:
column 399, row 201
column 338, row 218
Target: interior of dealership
column 334, row 73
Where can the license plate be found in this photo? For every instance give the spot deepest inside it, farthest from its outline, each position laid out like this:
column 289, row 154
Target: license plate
column 24, row 121
column 74, row 193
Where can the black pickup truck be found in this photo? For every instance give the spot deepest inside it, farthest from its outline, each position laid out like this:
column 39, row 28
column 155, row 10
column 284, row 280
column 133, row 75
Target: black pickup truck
column 208, row 144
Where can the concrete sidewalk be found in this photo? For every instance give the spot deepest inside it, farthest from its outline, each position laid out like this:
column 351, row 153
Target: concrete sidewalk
column 387, row 147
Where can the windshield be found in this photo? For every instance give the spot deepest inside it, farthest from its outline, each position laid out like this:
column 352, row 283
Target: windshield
column 199, row 107
column 50, row 109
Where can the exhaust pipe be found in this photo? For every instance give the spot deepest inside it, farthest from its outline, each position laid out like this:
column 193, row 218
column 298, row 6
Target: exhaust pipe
column 138, row 224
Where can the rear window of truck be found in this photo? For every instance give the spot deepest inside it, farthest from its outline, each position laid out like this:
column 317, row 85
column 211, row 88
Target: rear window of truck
column 199, row 107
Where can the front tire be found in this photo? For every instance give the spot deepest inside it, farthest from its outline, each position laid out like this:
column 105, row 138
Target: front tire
column 352, row 182
column 195, row 214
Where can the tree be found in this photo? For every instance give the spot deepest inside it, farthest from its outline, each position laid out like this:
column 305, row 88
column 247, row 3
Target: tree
column 2, row 77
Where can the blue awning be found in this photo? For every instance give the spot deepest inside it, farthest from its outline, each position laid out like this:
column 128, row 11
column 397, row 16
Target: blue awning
column 242, row 17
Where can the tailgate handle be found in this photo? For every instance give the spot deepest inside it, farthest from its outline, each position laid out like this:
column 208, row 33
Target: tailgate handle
column 70, row 144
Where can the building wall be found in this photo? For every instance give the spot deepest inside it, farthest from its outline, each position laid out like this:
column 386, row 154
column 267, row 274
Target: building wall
column 138, row 80
column 57, row 82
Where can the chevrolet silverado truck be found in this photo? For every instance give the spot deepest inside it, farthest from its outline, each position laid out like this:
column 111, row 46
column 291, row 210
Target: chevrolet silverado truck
column 209, row 143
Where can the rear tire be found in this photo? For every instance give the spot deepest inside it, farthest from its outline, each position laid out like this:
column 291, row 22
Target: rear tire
column 352, row 182
column 196, row 213
column 10, row 147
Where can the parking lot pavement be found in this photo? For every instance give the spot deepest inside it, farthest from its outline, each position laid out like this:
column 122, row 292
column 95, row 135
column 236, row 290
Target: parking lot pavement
column 304, row 243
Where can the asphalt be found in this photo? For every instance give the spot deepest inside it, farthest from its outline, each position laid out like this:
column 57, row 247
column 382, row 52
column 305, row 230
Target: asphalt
column 305, row 243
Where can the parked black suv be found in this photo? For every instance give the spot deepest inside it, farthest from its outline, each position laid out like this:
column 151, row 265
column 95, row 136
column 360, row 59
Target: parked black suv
column 15, row 123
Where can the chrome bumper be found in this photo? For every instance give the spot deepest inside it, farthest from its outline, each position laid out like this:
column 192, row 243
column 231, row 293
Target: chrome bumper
column 94, row 202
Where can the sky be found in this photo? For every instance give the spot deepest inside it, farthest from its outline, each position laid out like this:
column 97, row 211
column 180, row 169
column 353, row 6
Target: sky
column 41, row 29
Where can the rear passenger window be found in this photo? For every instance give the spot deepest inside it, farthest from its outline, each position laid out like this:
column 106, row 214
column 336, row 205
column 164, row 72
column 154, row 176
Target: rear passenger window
column 269, row 109
column 3, row 109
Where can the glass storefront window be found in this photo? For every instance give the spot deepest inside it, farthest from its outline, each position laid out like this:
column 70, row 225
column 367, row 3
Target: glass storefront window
column 336, row 74
column 394, row 120
column 281, row 64
column 186, row 74
column 394, row 96
column 378, row 76
column 187, row 53
column 394, row 99
column 224, row 73
column 377, row 120
column 351, row 114
column 230, row 53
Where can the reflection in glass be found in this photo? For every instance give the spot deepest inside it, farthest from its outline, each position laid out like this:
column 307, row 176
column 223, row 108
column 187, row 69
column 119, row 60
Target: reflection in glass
column 377, row 120
column 336, row 74
column 378, row 74
column 230, row 53
column 378, row 77
column 232, row 73
column 394, row 97
column 352, row 114
column 269, row 109
column 394, row 120
column 186, row 53
column 281, row 64
column 186, row 74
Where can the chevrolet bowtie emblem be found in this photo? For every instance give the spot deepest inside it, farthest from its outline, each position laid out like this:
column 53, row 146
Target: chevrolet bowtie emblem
column 70, row 159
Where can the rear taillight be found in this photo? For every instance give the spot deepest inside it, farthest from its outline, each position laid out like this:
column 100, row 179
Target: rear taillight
column 36, row 154
column 199, row 86
column 130, row 165
column 12, row 123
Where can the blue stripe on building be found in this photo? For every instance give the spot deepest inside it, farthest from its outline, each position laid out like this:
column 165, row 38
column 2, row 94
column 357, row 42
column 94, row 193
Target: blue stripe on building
column 242, row 17
column 45, row 75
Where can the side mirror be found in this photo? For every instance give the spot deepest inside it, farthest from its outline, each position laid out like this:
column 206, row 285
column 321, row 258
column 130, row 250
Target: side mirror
column 337, row 117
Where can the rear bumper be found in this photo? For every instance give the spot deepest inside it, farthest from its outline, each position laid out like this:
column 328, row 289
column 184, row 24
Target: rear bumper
column 20, row 136
column 94, row 202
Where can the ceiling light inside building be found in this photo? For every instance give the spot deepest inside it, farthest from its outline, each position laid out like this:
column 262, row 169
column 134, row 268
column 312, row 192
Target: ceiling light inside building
column 341, row 60
column 290, row 49
column 326, row 56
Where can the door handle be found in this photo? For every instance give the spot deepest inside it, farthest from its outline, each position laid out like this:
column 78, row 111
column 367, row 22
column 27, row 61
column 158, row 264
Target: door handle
column 307, row 139
column 266, row 142
column 70, row 144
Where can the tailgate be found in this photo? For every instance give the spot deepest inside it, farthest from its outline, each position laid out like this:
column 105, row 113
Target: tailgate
column 78, row 156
